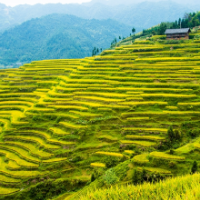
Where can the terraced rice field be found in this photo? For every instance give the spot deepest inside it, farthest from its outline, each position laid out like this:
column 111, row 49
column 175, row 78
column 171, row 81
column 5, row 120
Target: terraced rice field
column 59, row 114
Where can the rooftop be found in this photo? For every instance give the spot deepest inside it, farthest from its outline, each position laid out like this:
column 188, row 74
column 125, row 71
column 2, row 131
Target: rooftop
column 180, row 30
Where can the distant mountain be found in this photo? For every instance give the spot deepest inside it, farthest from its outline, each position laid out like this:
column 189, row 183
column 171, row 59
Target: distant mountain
column 141, row 14
column 57, row 36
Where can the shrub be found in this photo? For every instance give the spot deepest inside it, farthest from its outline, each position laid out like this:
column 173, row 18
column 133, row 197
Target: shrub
column 110, row 177
column 194, row 167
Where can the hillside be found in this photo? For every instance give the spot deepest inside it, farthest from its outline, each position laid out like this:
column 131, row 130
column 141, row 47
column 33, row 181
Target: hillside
column 140, row 14
column 129, row 115
column 180, row 188
column 56, row 37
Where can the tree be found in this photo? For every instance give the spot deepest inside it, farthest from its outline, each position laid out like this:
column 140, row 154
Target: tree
column 177, row 135
column 133, row 30
column 170, row 133
column 163, row 28
column 135, row 177
column 194, row 167
column 186, row 16
column 93, row 178
column 95, row 51
column 120, row 38
column 144, row 175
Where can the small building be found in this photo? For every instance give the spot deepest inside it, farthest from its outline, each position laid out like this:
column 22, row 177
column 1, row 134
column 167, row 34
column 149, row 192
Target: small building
column 177, row 34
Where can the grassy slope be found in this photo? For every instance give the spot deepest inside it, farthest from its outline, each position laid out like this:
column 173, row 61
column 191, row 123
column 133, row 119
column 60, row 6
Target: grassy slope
column 186, row 187
column 63, row 120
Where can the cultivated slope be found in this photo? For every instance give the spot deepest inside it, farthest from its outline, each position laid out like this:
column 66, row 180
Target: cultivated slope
column 65, row 119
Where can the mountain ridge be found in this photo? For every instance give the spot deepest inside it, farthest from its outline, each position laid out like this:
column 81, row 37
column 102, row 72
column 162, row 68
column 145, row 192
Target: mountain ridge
column 57, row 36
column 130, row 14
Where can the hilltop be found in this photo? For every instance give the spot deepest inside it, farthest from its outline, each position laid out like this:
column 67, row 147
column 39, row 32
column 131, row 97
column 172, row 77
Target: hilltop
column 127, row 116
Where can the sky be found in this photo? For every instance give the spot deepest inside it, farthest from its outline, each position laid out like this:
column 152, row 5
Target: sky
column 32, row 2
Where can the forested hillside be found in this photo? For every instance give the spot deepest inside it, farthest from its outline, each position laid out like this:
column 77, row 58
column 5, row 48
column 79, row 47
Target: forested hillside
column 57, row 36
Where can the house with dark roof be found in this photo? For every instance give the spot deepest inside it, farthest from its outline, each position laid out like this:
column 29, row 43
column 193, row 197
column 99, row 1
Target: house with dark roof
column 177, row 34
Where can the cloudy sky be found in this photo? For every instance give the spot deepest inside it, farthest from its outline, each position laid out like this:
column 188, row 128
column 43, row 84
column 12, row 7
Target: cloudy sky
column 17, row 2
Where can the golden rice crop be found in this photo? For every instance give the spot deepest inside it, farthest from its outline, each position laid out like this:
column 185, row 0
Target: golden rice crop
column 146, row 137
column 22, row 153
column 185, row 187
column 140, row 143
column 33, row 139
column 41, row 134
column 31, row 148
column 167, row 75
column 130, row 152
column 60, row 142
column 48, row 110
column 47, row 82
column 146, row 129
column 53, row 160
column 142, row 158
column 163, row 59
column 161, row 155
column 144, row 103
column 104, row 94
column 172, row 107
column 7, row 179
column 138, row 119
column 94, row 98
column 158, row 170
column 68, row 80
column 98, row 165
column 20, row 161
column 189, row 104
column 119, row 155
column 58, row 131
column 7, row 190
column 141, row 90
column 168, row 95
column 17, row 95
column 16, row 103
column 70, row 107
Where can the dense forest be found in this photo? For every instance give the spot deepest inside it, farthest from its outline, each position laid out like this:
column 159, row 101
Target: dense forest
column 189, row 20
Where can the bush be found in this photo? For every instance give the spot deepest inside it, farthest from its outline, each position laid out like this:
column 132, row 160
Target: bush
column 194, row 167
column 172, row 164
column 110, row 177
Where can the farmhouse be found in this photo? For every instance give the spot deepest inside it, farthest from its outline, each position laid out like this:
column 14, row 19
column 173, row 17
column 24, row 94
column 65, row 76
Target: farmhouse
column 177, row 34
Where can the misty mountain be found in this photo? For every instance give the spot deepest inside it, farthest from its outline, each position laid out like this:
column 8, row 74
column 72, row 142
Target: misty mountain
column 138, row 13
column 57, row 36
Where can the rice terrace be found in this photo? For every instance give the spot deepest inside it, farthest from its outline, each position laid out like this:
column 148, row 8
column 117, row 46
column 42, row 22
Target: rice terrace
column 96, row 128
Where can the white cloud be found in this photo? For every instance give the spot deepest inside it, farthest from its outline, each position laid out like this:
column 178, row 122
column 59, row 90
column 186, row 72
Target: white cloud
column 32, row 2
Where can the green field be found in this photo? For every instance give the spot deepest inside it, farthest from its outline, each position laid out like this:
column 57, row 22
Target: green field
column 108, row 112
